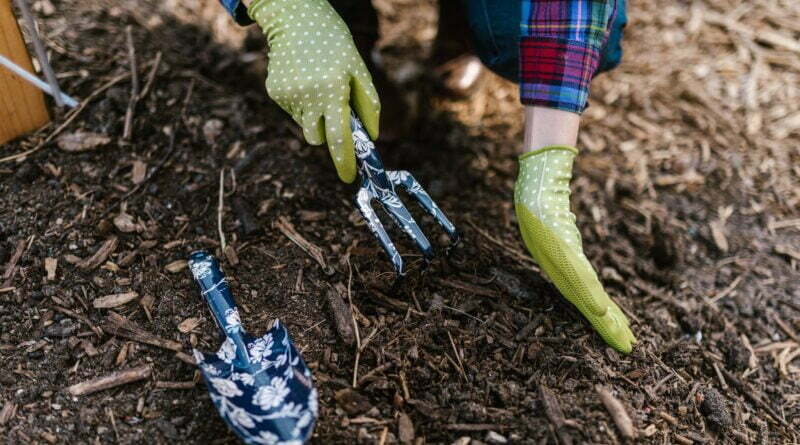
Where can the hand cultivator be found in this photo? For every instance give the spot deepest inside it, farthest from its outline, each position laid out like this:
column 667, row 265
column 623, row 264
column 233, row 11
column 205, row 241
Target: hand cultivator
column 379, row 184
column 260, row 385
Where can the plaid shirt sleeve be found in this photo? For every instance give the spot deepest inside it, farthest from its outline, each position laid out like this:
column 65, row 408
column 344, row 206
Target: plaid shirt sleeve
column 560, row 47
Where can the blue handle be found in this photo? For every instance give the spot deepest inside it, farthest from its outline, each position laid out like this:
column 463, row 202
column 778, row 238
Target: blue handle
column 238, row 11
column 214, row 289
column 369, row 163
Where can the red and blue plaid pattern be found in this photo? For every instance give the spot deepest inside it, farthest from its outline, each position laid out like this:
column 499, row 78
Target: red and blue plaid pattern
column 560, row 46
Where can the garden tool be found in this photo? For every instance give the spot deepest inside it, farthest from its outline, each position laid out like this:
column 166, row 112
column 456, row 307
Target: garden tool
column 261, row 386
column 379, row 184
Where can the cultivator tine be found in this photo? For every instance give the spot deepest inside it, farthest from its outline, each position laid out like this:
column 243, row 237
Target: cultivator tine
column 413, row 188
column 402, row 217
column 378, row 184
column 362, row 201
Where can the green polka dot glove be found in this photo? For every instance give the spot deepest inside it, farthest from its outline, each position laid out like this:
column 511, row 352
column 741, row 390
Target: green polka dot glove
column 541, row 199
column 315, row 73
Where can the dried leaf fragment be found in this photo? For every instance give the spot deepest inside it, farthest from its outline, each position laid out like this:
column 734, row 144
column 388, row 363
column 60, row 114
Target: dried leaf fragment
column 72, row 259
column 114, row 300
column 231, row 255
column 124, row 223
column 188, row 325
column 82, row 141
column 138, row 172
column 405, row 429
column 718, row 233
column 176, row 266
column 50, row 265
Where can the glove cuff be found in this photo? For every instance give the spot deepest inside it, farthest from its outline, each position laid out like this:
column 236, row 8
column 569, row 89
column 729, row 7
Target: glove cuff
column 529, row 154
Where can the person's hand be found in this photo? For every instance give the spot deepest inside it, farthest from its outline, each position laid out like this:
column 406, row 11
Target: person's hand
column 541, row 199
column 315, row 73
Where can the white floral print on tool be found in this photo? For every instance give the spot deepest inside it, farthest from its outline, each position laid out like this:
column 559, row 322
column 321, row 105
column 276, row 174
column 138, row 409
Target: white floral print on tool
column 271, row 402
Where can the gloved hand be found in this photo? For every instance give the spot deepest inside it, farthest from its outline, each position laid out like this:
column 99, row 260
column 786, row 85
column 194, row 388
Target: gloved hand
column 315, row 73
column 541, row 199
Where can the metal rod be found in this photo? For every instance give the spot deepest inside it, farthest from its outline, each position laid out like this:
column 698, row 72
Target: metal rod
column 70, row 102
column 41, row 54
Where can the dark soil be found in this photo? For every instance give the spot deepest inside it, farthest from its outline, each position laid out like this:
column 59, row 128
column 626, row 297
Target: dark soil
column 480, row 345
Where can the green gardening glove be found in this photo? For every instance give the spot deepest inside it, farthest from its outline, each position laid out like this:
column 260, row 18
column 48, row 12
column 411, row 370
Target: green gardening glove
column 541, row 199
column 315, row 73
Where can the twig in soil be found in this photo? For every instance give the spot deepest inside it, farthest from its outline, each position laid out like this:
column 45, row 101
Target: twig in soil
column 82, row 318
column 618, row 413
column 11, row 267
column 186, row 358
column 667, row 368
column 175, row 385
column 127, row 131
column 553, row 411
column 161, row 163
column 471, row 288
column 786, row 328
column 474, row 427
column 355, row 324
column 722, row 383
column 151, row 77
column 110, row 413
column 368, row 376
column 725, row 292
column 110, row 381
column 9, row 409
column 221, row 209
column 384, row 434
column 766, row 36
column 314, row 251
column 99, row 257
column 404, row 384
column 458, row 357
column 120, row 326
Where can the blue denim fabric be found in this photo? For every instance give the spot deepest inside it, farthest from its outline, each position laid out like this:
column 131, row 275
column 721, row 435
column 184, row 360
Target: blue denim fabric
column 495, row 36
column 238, row 11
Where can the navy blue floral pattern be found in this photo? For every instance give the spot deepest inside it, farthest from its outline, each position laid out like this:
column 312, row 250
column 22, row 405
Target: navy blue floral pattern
column 379, row 184
column 261, row 386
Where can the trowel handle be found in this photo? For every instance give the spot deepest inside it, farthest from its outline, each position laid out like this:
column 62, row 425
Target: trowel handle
column 215, row 291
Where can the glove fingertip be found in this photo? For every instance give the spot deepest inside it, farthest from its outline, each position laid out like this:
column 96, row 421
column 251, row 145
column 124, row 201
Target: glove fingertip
column 340, row 143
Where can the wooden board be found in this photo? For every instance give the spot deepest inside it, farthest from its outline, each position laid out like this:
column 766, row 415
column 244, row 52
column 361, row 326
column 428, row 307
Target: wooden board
column 22, row 106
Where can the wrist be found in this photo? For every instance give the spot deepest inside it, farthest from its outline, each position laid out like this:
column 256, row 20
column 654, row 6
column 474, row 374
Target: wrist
column 549, row 126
